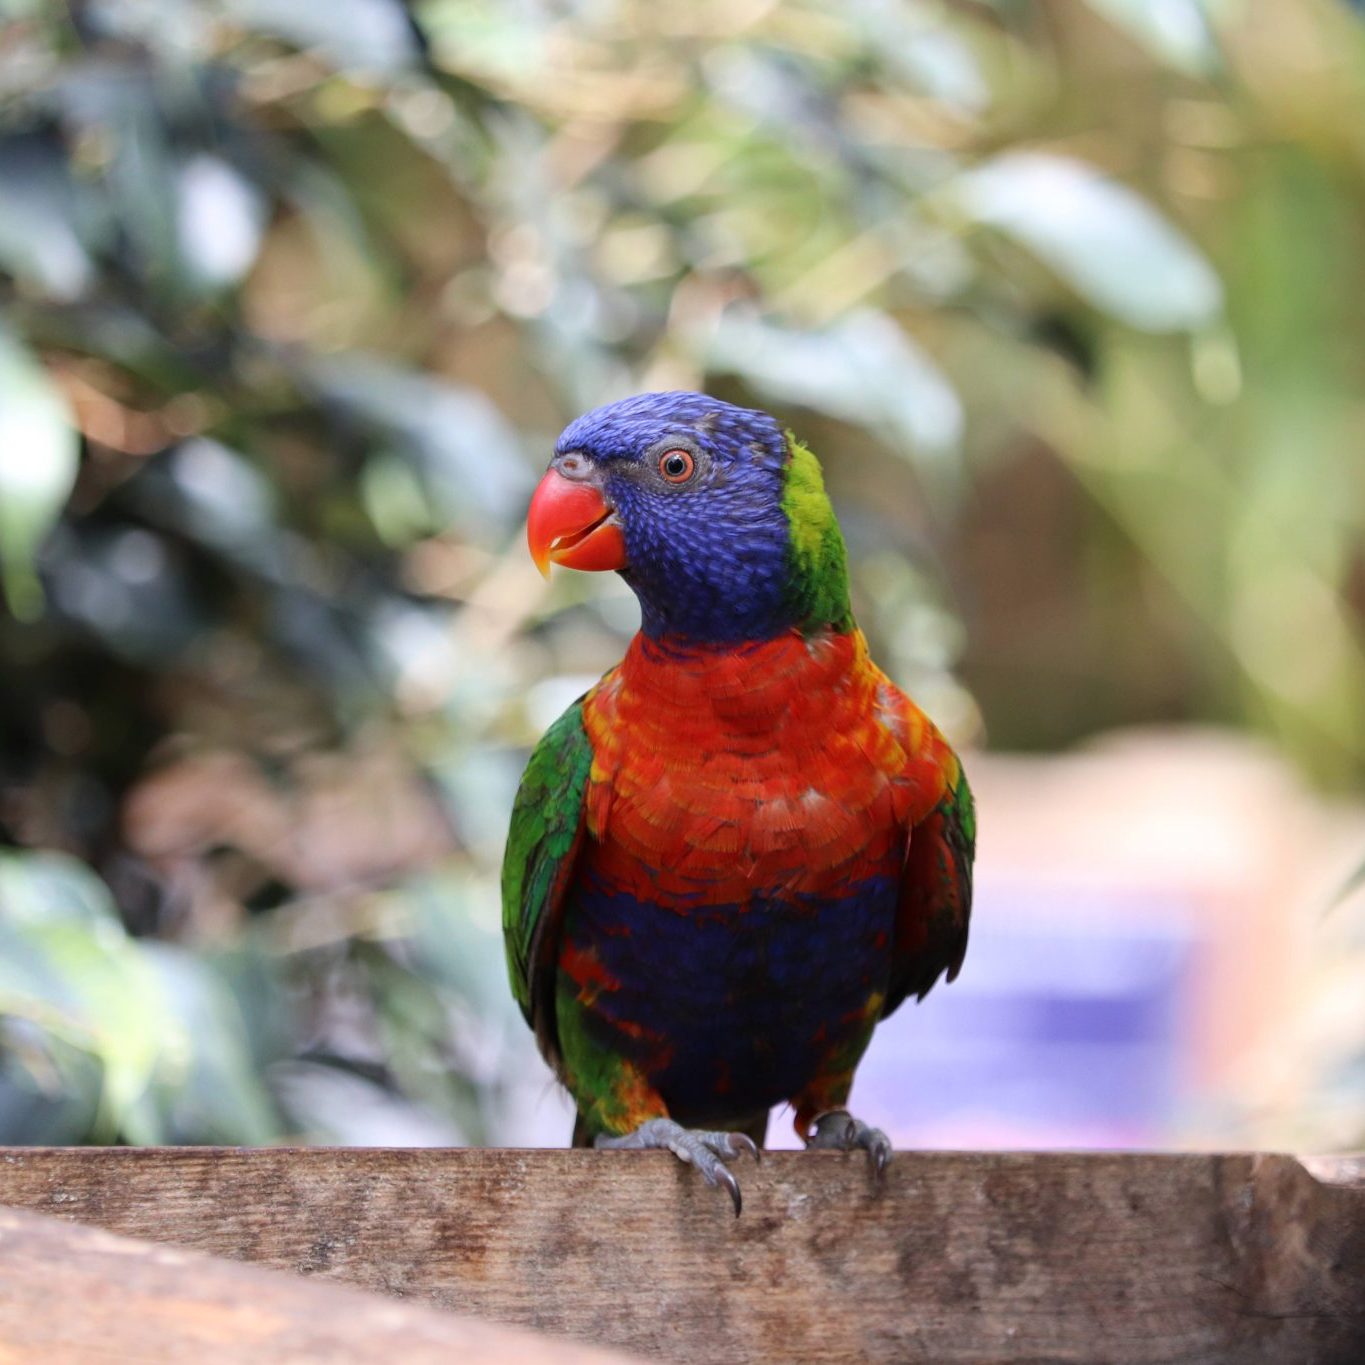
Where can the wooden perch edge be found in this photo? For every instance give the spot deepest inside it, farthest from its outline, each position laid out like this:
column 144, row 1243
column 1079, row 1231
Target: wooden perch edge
column 81, row 1295
column 956, row 1257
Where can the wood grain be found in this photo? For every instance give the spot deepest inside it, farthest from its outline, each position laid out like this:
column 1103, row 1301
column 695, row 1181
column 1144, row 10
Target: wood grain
column 957, row 1257
column 81, row 1296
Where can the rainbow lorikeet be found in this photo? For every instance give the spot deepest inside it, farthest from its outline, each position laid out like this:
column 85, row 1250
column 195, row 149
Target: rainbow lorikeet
column 744, row 846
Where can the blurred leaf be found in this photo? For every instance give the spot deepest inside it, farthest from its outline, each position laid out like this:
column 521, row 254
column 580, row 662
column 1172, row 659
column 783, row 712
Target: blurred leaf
column 1177, row 31
column 395, row 500
column 370, row 37
column 47, row 888
column 124, row 111
column 455, row 946
column 49, row 1091
column 71, row 970
column 213, row 1094
column 165, row 1032
column 342, row 1107
column 37, row 469
column 466, row 451
column 168, row 26
column 476, row 36
column 125, row 586
column 40, row 214
column 1109, row 244
column 417, row 1027
column 863, row 369
column 220, row 219
column 919, row 45
column 217, row 495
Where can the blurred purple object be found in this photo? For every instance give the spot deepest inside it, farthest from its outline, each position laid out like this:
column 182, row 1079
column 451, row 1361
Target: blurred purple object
column 1067, row 1027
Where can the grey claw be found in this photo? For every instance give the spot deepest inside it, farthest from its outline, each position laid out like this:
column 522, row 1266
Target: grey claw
column 850, row 1134
column 726, row 1178
column 742, row 1142
column 699, row 1147
column 880, row 1152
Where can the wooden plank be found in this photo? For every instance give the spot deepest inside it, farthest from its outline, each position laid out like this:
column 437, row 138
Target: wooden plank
column 957, row 1257
column 82, row 1296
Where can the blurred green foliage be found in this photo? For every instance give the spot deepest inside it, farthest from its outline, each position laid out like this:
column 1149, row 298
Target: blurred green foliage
column 293, row 299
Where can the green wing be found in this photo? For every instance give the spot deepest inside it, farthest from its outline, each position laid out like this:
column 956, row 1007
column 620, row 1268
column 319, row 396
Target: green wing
column 542, row 843
column 936, row 896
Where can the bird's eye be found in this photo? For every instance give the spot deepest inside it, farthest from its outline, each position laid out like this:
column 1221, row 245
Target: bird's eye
column 677, row 466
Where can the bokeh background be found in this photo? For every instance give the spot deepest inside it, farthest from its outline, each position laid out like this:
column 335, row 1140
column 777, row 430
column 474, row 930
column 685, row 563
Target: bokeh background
column 294, row 298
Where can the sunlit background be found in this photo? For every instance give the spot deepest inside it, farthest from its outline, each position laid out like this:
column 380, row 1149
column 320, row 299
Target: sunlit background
column 294, row 298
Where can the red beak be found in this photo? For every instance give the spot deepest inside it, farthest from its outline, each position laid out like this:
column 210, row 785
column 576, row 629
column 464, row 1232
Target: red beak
column 571, row 524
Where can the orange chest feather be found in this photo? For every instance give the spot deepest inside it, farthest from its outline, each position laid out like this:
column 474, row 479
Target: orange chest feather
column 787, row 763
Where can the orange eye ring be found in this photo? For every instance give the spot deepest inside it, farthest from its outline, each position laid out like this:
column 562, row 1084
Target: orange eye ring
column 677, row 466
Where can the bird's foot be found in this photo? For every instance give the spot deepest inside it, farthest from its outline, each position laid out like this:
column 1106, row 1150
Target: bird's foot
column 838, row 1131
column 707, row 1151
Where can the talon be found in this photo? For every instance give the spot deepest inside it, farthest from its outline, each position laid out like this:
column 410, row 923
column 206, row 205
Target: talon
column 697, row 1147
column 741, row 1143
column 839, row 1131
column 880, row 1152
column 726, row 1178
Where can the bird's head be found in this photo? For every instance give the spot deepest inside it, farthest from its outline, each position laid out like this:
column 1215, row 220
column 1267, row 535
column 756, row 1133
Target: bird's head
column 717, row 519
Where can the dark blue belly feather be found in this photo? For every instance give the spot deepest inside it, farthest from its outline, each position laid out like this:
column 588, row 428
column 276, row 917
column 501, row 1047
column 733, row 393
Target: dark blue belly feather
column 727, row 1009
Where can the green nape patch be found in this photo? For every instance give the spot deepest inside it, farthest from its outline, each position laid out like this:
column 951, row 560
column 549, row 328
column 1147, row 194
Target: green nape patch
column 819, row 567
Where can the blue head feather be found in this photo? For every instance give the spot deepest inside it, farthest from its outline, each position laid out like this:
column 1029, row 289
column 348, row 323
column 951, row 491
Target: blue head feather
column 709, row 559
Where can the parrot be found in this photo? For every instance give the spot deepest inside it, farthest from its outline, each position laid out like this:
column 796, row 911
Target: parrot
column 744, row 846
